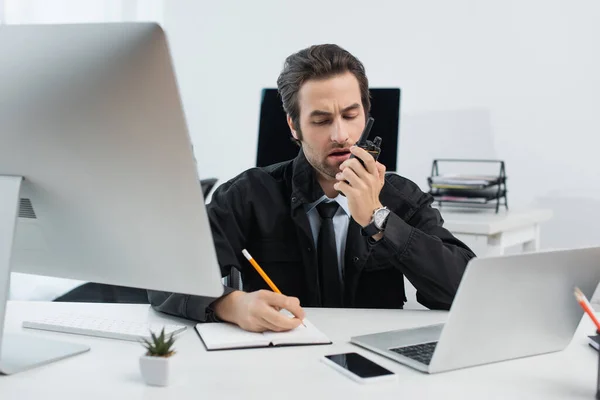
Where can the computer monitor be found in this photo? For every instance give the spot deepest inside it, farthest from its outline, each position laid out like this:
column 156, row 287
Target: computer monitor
column 274, row 137
column 98, row 180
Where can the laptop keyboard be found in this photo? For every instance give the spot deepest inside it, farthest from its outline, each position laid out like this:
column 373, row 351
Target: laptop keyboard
column 420, row 352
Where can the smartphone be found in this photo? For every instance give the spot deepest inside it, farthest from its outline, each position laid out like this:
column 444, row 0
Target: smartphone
column 358, row 368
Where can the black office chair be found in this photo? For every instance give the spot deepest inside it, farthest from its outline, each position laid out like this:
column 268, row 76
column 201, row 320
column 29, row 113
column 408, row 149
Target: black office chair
column 207, row 185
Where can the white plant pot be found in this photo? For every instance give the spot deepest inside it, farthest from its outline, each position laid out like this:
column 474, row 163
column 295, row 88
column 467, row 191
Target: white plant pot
column 155, row 370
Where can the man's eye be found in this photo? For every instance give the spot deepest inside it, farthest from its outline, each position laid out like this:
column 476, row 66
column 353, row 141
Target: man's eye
column 350, row 116
column 322, row 122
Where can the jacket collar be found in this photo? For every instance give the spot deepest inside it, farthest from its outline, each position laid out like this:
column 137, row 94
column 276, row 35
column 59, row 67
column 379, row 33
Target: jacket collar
column 305, row 188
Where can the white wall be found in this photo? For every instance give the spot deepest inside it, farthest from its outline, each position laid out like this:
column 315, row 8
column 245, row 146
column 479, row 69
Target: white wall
column 77, row 11
column 518, row 80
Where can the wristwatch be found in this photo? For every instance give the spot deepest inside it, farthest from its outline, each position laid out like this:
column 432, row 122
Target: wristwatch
column 377, row 223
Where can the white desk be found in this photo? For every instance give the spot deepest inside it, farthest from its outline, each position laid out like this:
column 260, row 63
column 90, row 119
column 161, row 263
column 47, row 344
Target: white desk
column 110, row 369
column 490, row 234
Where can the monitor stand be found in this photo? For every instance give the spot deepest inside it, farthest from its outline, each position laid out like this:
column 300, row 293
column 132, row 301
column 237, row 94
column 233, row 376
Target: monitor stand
column 19, row 351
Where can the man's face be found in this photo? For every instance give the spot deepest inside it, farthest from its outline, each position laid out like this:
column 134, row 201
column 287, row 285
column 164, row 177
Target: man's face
column 332, row 119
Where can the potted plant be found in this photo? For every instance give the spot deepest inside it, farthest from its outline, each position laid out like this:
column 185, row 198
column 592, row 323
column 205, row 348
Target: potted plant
column 155, row 364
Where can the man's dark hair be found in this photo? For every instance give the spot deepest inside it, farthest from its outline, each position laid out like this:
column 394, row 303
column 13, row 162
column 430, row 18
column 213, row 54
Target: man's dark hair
column 317, row 62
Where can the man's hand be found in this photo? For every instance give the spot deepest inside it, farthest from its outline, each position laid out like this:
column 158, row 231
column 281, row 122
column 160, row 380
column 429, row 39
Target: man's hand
column 259, row 311
column 363, row 184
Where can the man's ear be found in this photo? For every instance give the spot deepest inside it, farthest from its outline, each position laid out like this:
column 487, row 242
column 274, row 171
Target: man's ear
column 291, row 125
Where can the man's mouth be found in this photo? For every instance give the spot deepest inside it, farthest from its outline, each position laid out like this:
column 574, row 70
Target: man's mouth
column 341, row 154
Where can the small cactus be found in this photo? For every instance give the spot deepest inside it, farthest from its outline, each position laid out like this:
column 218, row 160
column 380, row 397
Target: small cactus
column 160, row 346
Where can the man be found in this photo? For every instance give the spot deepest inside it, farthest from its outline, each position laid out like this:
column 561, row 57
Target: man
column 326, row 229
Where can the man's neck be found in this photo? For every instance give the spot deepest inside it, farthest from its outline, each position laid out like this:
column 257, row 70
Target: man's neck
column 327, row 185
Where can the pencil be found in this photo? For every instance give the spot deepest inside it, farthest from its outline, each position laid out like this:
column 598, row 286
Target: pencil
column 262, row 273
column 587, row 307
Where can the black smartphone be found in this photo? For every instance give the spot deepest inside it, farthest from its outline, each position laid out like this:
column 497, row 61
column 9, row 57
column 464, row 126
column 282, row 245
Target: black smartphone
column 358, row 368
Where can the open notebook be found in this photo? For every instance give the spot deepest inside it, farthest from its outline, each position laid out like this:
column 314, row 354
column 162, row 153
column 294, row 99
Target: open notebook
column 222, row 336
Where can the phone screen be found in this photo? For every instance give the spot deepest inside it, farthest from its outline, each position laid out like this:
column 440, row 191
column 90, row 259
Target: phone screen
column 359, row 365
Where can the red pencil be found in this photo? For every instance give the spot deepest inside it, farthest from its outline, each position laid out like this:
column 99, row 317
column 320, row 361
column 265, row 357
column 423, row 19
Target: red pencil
column 585, row 304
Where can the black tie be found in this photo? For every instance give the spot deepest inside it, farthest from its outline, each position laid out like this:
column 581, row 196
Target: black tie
column 331, row 288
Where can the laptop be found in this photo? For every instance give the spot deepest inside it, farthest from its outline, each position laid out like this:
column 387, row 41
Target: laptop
column 505, row 308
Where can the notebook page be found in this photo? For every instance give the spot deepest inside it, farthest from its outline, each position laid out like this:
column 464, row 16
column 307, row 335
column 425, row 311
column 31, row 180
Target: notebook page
column 229, row 336
column 301, row 335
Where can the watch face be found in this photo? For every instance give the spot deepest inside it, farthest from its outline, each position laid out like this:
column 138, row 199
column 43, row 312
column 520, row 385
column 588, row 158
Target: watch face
column 380, row 217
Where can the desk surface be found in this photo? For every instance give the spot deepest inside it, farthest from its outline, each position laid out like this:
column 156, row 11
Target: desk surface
column 487, row 222
column 110, row 370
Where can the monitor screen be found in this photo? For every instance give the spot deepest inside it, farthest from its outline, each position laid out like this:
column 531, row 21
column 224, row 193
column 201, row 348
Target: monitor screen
column 107, row 157
column 274, row 137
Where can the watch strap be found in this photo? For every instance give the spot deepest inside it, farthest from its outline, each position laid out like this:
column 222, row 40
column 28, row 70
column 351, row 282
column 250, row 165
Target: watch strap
column 370, row 230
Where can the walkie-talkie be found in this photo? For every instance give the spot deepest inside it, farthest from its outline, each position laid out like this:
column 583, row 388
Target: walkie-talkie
column 374, row 147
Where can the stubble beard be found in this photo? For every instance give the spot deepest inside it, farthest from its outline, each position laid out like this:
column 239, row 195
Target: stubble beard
column 321, row 166
column 327, row 170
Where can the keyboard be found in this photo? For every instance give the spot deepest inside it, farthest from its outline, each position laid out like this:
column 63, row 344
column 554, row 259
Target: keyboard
column 101, row 327
column 420, row 352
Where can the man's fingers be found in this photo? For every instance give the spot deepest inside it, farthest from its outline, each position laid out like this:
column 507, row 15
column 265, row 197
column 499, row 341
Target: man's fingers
column 269, row 326
column 293, row 306
column 280, row 301
column 355, row 165
column 366, row 157
column 381, row 171
column 280, row 321
column 255, row 323
column 343, row 187
column 348, row 174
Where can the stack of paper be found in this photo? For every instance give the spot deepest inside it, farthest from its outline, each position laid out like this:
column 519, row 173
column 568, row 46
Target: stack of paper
column 463, row 181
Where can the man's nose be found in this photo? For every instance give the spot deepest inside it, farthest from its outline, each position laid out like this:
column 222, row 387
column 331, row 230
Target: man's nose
column 339, row 133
